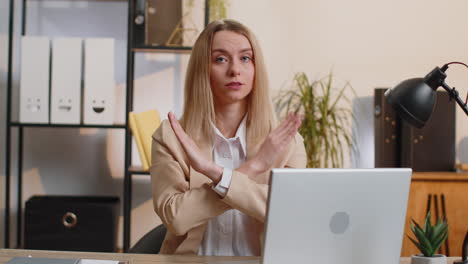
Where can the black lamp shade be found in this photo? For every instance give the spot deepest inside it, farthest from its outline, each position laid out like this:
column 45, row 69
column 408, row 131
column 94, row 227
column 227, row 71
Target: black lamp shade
column 414, row 100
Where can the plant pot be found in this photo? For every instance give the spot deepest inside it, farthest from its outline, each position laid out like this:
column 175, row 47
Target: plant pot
column 421, row 259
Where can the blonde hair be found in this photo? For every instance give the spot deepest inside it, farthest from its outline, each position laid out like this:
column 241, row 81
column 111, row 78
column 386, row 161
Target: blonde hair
column 199, row 111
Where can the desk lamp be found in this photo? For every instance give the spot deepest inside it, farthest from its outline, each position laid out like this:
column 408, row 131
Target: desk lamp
column 414, row 99
column 464, row 259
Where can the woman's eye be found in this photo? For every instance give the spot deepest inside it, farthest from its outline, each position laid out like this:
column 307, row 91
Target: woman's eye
column 246, row 58
column 220, row 59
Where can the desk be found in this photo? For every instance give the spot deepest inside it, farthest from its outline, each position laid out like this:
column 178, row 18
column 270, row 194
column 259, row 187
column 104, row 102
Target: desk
column 7, row 254
column 454, row 186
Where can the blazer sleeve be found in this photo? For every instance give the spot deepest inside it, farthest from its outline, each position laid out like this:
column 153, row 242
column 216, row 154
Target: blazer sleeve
column 179, row 207
column 250, row 197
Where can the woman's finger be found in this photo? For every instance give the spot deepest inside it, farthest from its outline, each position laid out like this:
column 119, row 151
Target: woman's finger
column 298, row 121
column 277, row 132
column 173, row 122
column 280, row 136
column 180, row 133
column 291, row 132
column 283, row 123
column 187, row 143
column 288, row 129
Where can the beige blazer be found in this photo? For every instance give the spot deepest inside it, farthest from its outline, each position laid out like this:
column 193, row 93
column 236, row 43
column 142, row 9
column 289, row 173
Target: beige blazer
column 184, row 200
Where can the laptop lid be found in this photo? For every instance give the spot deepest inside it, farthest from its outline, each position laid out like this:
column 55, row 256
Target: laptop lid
column 336, row 216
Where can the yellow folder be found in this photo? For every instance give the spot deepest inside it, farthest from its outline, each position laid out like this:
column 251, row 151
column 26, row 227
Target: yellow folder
column 143, row 126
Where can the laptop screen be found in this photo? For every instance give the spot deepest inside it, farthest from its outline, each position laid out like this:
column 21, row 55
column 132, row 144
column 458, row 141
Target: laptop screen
column 335, row 216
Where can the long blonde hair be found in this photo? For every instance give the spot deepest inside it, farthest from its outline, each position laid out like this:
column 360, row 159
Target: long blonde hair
column 199, row 111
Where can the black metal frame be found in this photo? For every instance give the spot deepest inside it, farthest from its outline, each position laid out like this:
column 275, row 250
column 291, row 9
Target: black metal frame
column 8, row 120
column 132, row 48
column 127, row 206
column 129, row 171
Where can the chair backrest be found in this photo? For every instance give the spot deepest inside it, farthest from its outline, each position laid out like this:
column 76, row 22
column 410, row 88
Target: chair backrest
column 143, row 125
column 151, row 242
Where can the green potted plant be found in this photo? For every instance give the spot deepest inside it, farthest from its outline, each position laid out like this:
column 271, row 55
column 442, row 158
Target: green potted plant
column 327, row 116
column 428, row 239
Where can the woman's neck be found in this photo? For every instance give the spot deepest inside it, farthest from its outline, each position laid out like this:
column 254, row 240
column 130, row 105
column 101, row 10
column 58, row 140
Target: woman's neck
column 229, row 117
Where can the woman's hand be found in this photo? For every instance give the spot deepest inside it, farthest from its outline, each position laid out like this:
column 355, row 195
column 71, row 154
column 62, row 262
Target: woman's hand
column 273, row 146
column 196, row 158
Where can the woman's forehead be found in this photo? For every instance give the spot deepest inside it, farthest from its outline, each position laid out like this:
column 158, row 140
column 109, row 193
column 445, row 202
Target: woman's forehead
column 230, row 41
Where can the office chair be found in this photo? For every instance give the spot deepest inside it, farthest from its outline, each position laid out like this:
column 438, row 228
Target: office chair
column 151, row 242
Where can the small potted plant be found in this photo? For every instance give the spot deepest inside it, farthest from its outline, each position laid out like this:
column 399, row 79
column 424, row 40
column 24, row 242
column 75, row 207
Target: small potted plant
column 327, row 117
column 428, row 240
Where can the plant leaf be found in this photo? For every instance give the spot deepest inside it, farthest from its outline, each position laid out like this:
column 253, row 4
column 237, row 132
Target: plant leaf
column 427, row 222
column 419, row 246
column 420, row 235
column 438, row 230
column 416, row 226
column 439, row 241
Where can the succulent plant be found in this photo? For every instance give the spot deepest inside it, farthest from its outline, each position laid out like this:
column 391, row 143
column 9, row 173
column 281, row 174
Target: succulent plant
column 430, row 238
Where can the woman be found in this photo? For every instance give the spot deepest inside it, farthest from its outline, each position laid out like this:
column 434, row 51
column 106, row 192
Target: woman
column 210, row 170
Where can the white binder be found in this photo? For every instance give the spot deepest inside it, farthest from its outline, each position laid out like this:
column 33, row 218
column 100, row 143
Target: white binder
column 66, row 81
column 99, row 82
column 34, row 80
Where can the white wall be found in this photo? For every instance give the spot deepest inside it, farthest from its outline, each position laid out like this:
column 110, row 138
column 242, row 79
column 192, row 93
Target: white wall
column 367, row 42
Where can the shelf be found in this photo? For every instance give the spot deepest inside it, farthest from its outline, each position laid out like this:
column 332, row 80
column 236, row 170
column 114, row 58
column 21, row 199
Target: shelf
column 135, row 44
column 163, row 49
column 117, row 126
column 137, row 170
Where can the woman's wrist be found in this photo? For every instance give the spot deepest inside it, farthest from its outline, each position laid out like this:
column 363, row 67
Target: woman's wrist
column 251, row 168
column 214, row 172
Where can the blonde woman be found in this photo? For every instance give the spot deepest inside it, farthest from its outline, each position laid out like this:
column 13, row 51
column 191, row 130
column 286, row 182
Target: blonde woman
column 210, row 170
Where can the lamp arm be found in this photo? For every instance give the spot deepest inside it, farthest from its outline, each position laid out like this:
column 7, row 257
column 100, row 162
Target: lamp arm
column 454, row 95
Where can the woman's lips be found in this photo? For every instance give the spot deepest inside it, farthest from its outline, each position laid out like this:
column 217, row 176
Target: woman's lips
column 234, row 85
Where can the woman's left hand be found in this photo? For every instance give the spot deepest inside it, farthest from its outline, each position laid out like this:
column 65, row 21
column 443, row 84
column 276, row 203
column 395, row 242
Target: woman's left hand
column 273, row 146
column 195, row 156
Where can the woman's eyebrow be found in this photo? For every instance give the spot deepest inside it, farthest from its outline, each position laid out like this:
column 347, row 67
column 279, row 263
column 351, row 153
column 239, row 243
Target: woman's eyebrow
column 225, row 51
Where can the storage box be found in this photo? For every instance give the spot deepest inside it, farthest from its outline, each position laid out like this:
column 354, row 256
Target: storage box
column 65, row 105
column 71, row 223
column 99, row 81
column 34, row 80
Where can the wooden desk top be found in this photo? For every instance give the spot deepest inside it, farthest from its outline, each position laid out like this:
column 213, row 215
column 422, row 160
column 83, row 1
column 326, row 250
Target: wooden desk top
column 439, row 176
column 7, row 254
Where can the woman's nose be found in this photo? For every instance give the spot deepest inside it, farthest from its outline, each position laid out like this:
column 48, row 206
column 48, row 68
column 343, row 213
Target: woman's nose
column 234, row 69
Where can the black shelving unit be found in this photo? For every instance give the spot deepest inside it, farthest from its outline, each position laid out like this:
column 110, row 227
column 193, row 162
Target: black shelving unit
column 16, row 124
column 132, row 49
column 20, row 127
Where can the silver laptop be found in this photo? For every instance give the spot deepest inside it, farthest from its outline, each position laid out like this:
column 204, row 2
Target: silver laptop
column 336, row 216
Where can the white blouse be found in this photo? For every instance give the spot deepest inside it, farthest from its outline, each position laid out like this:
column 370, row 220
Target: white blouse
column 233, row 232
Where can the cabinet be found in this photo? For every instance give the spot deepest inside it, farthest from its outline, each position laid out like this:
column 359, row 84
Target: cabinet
column 454, row 188
column 134, row 45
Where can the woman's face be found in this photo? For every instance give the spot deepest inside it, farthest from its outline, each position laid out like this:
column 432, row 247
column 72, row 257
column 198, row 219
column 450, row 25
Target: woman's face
column 232, row 67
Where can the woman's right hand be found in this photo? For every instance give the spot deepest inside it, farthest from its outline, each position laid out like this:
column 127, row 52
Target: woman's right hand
column 273, row 146
column 197, row 160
